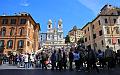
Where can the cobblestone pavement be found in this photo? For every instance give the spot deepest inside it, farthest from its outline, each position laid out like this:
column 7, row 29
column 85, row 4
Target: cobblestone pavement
column 7, row 66
column 7, row 69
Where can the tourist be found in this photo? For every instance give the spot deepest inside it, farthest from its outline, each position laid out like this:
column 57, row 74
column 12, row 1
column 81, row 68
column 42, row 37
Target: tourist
column 109, row 57
column 64, row 59
column 101, row 58
column 26, row 61
column 91, row 60
column 71, row 59
column 44, row 59
column 76, row 59
column 53, row 59
column 32, row 60
column 59, row 59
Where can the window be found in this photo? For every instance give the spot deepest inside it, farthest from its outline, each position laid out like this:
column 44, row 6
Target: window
column 49, row 36
column 52, row 36
column 49, row 26
column 23, row 21
column 99, row 22
column 4, row 21
column 3, row 31
column 85, row 31
column 114, row 20
column 107, row 30
column 109, row 41
column 59, row 25
column 13, row 21
column 94, row 36
column 100, row 32
column 10, row 44
column 102, row 42
column 22, row 31
column 1, row 43
column 60, row 36
column 95, row 44
column 118, row 12
column 88, row 28
column 118, row 41
column 41, row 39
column 20, row 44
column 93, row 26
column 117, row 30
column 106, row 21
column 11, row 31
column 89, row 37
column 86, row 39
column 28, row 43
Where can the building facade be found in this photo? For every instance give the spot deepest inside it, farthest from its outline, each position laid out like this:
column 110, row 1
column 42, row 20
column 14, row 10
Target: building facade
column 88, row 35
column 75, row 34
column 54, row 35
column 42, row 38
column 18, row 33
column 104, row 30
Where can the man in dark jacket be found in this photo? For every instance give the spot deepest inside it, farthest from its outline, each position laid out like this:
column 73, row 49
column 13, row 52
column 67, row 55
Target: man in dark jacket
column 91, row 60
column 109, row 55
column 53, row 60
column 64, row 60
column 59, row 59
column 71, row 58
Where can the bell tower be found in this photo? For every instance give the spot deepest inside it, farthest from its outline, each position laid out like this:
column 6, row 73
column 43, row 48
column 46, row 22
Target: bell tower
column 60, row 24
column 49, row 29
column 60, row 29
column 49, row 24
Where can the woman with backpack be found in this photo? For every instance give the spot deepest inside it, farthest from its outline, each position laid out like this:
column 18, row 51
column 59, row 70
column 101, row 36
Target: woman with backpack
column 76, row 59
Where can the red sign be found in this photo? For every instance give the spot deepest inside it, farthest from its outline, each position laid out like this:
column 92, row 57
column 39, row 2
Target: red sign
column 114, row 40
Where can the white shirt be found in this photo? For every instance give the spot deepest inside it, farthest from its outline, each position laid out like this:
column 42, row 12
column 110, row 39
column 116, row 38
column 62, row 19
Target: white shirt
column 26, row 58
column 32, row 58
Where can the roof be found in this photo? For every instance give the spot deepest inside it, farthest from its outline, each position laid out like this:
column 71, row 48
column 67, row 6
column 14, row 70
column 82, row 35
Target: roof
column 23, row 14
column 85, row 25
column 97, row 18
column 43, row 33
column 38, row 26
column 75, row 27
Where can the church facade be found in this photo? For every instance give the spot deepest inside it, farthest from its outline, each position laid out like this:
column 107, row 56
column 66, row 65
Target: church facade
column 54, row 36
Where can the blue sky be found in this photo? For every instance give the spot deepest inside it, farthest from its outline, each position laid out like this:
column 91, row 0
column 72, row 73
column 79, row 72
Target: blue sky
column 72, row 12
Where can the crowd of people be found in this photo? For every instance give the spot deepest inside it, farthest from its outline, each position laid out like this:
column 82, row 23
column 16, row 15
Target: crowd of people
column 77, row 57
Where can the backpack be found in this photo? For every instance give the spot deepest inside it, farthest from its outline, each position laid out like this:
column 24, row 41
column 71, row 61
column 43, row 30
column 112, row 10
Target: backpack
column 76, row 56
column 100, row 55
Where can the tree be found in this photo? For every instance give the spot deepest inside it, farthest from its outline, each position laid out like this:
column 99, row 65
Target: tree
column 81, row 40
column 67, row 39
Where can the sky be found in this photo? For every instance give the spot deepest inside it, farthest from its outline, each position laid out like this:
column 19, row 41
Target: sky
column 72, row 12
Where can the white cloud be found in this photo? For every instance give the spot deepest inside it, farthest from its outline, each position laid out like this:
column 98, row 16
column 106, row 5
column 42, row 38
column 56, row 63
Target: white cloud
column 24, row 3
column 93, row 5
